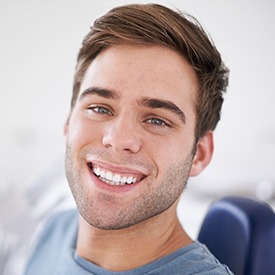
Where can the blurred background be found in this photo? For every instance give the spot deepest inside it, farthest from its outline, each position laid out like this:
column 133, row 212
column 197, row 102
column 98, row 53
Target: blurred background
column 39, row 43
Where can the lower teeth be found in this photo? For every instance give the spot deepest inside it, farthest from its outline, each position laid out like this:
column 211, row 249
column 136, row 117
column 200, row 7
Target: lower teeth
column 114, row 183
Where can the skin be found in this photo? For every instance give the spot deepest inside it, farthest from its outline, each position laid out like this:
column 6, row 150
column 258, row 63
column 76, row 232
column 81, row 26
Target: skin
column 134, row 116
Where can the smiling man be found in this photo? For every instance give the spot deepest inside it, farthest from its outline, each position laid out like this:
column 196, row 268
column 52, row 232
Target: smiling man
column 147, row 96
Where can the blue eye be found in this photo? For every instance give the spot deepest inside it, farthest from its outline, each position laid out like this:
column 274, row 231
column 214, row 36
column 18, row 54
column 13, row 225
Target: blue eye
column 157, row 122
column 101, row 110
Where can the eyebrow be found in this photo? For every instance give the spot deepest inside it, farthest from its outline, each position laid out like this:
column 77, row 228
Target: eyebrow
column 153, row 103
column 99, row 92
column 164, row 104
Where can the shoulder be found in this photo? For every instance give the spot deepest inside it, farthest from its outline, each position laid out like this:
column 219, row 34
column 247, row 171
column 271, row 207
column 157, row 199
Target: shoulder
column 189, row 260
column 56, row 239
column 197, row 259
column 61, row 220
column 59, row 224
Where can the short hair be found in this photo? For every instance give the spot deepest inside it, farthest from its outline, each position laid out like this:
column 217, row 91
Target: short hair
column 154, row 24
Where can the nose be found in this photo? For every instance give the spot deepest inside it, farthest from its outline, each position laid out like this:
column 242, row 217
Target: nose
column 122, row 135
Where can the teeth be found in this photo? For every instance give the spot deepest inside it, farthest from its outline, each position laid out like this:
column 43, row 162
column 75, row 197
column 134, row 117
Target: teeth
column 102, row 174
column 115, row 179
column 123, row 179
column 129, row 180
column 109, row 176
column 97, row 171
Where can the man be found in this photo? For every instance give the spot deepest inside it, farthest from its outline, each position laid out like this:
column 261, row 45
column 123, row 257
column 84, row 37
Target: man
column 147, row 96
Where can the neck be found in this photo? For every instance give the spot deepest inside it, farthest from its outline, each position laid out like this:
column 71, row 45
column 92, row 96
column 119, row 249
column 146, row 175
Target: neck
column 125, row 249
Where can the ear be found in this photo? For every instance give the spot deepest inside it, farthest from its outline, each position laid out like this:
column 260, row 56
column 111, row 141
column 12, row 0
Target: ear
column 66, row 127
column 203, row 155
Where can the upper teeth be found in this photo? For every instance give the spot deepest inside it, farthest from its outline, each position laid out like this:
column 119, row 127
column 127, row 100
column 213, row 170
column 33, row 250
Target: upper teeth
column 113, row 179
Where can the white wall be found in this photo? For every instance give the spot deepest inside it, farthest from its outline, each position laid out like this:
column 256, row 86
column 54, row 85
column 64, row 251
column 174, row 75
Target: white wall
column 39, row 42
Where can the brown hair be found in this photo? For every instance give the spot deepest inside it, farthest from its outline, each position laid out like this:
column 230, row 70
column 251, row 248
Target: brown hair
column 153, row 24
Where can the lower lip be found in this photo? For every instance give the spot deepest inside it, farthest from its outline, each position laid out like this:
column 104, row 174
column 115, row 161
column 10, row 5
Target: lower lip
column 111, row 188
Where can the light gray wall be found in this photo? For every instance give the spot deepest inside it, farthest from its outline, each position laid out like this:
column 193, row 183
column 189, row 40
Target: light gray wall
column 39, row 43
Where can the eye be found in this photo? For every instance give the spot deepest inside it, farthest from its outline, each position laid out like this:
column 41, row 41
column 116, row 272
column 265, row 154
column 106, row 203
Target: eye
column 100, row 110
column 158, row 122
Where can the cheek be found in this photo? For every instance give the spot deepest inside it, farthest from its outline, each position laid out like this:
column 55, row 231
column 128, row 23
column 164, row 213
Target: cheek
column 81, row 133
column 171, row 152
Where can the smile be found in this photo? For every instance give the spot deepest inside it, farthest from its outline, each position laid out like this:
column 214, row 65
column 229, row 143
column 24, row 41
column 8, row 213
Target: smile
column 114, row 178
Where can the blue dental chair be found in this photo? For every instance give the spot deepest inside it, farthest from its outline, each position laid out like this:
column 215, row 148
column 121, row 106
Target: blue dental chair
column 240, row 232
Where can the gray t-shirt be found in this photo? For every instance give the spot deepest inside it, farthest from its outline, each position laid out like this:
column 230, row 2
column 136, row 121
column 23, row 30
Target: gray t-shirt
column 55, row 254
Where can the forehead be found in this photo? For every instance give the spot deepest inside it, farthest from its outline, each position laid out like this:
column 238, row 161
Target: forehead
column 135, row 70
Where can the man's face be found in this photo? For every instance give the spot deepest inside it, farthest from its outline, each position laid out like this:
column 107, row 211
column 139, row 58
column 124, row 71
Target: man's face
column 130, row 136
